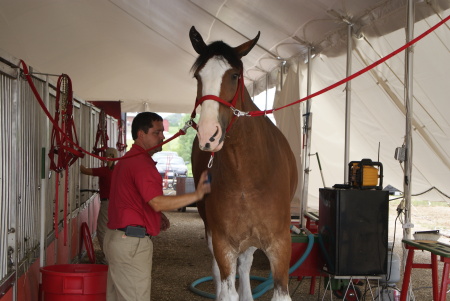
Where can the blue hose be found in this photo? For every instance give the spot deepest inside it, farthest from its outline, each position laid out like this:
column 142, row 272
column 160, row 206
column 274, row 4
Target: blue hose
column 267, row 283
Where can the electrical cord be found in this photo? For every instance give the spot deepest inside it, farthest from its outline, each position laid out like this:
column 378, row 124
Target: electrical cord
column 388, row 276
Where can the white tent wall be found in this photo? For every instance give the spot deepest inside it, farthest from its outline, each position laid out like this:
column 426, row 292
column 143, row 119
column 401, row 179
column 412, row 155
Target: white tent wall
column 377, row 111
column 288, row 120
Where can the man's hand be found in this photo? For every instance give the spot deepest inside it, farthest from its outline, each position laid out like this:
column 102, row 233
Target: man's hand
column 203, row 186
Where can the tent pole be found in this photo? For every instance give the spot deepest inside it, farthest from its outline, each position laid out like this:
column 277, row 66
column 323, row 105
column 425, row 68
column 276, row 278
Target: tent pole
column 409, row 111
column 306, row 144
column 267, row 91
column 348, row 95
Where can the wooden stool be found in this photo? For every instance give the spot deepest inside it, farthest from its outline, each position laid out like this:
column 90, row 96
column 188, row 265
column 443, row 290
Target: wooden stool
column 445, row 279
column 435, row 249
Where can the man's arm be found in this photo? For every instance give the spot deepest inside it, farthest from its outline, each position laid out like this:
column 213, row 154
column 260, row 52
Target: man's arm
column 172, row 202
column 86, row 171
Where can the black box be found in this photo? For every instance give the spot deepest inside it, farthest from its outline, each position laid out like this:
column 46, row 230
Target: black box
column 353, row 231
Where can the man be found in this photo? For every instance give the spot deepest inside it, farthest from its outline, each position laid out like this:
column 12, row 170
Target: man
column 104, row 175
column 135, row 216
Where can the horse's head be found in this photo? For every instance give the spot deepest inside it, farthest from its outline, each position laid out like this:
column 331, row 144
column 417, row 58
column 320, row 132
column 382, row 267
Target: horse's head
column 218, row 71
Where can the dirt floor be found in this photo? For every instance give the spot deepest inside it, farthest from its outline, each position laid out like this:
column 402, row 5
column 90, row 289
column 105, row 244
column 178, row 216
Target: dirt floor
column 181, row 257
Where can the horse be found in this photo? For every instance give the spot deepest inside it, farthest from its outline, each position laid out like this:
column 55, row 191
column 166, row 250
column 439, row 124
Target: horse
column 253, row 173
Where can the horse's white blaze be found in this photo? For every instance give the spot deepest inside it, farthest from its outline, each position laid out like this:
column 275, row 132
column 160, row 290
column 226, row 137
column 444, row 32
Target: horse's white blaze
column 208, row 124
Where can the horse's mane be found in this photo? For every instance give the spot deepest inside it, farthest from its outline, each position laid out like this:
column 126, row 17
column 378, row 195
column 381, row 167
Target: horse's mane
column 218, row 48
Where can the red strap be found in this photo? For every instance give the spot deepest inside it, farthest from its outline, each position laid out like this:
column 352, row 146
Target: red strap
column 101, row 136
column 232, row 104
column 61, row 141
column 121, row 146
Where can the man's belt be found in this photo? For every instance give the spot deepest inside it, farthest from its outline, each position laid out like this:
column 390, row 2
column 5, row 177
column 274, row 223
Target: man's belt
column 134, row 231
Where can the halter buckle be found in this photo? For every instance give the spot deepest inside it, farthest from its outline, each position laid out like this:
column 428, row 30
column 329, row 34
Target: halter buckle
column 187, row 125
column 211, row 160
column 239, row 113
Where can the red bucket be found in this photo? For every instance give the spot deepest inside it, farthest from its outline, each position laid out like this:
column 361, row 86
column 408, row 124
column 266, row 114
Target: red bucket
column 74, row 282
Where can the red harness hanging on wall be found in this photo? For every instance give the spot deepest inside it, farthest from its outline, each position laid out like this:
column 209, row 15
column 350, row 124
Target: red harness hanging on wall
column 101, row 139
column 121, row 145
column 61, row 145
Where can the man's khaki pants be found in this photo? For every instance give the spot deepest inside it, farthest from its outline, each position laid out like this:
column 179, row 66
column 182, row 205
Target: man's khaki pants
column 130, row 266
column 102, row 221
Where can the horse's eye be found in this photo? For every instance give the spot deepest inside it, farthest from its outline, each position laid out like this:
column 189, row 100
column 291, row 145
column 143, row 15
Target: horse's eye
column 235, row 76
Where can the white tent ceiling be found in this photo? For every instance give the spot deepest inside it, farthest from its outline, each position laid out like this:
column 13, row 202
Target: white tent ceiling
column 139, row 52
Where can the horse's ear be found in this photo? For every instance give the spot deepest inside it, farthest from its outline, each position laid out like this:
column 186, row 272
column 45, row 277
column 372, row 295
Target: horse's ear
column 245, row 48
column 197, row 40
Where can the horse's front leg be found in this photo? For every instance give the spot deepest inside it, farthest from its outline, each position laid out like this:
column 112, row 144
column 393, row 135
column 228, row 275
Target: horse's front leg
column 215, row 267
column 226, row 259
column 279, row 255
column 244, row 265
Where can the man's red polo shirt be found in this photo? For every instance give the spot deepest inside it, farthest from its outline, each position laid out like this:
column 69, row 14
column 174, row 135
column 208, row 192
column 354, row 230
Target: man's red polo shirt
column 135, row 181
column 104, row 175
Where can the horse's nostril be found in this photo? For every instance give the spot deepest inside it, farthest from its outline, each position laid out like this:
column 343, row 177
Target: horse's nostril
column 213, row 137
column 207, row 146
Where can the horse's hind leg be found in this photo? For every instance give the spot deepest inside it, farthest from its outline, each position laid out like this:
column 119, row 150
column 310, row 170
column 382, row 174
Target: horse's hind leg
column 244, row 265
column 279, row 255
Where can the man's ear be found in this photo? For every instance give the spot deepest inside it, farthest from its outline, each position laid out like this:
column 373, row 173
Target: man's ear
column 139, row 134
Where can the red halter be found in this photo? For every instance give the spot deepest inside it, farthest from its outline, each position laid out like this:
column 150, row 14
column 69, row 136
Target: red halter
column 232, row 104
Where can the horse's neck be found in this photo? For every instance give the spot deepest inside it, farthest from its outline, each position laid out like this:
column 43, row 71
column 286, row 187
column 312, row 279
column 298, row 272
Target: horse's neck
column 247, row 132
column 247, row 103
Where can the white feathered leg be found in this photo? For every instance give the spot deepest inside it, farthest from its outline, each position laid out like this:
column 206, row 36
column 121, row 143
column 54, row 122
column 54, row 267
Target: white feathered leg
column 244, row 266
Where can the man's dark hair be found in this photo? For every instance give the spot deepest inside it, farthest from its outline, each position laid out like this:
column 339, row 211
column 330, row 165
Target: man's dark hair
column 143, row 121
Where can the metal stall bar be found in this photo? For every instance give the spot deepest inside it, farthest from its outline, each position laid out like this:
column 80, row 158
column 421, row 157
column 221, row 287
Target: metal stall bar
column 12, row 227
column 45, row 141
column 8, row 94
column 27, row 170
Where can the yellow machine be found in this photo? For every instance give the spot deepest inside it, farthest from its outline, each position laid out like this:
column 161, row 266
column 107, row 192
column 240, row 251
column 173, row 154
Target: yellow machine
column 366, row 174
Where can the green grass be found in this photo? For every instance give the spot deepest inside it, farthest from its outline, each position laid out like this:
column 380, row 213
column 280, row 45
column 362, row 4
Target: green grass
column 421, row 203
